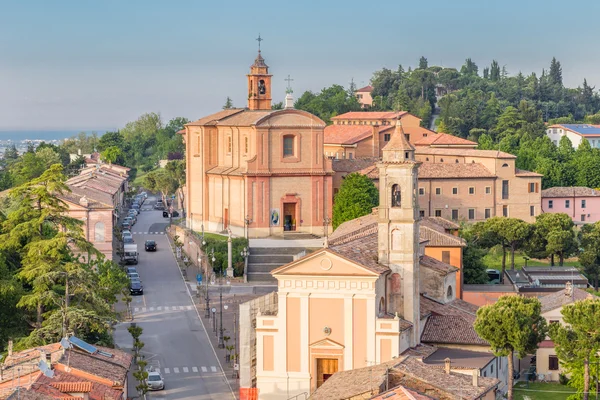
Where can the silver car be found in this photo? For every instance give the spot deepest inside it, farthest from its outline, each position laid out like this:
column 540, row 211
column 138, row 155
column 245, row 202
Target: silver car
column 155, row 381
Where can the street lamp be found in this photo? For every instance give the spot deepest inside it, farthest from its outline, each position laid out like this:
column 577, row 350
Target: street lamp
column 245, row 253
column 247, row 222
column 213, row 259
column 221, row 342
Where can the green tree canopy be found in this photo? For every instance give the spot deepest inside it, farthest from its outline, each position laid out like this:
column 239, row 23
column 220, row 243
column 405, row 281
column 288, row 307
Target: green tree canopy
column 512, row 325
column 357, row 197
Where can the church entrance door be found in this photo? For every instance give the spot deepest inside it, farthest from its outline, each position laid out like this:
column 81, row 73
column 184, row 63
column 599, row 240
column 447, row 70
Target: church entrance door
column 289, row 216
column 225, row 218
column 325, row 368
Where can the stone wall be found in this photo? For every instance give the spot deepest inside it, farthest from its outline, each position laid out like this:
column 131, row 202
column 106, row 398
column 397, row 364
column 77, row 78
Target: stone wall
column 267, row 305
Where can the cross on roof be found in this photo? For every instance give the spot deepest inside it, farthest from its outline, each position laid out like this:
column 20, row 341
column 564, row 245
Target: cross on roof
column 259, row 39
column 289, row 84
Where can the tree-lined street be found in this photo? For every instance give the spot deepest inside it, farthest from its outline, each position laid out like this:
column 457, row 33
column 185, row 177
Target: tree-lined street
column 176, row 342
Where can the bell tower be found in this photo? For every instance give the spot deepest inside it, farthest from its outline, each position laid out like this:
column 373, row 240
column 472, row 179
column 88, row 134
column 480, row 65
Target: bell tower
column 398, row 241
column 259, row 83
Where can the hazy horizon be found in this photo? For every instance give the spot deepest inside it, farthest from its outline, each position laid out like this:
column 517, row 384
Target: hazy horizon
column 76, row 65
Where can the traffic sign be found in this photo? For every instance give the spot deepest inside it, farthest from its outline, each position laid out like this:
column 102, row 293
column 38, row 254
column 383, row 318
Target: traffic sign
column 199, row 278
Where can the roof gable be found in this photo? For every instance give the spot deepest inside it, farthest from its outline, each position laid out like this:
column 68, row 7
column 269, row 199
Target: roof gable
column 291, row 118
column 324, row 263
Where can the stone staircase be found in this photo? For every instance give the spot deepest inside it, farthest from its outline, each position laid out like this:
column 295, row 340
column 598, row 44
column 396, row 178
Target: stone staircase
column 263, row 260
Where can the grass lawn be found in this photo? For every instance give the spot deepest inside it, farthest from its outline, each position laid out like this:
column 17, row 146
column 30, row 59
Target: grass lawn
column 542, row 391
column 214, row 236
column 494, row 260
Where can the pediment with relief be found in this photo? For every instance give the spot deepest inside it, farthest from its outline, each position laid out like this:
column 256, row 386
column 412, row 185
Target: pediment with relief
column 324, row 263
column 327, row 344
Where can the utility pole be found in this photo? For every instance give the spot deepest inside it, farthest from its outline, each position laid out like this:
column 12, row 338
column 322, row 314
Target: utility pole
column 245, row 253
column 229, row 254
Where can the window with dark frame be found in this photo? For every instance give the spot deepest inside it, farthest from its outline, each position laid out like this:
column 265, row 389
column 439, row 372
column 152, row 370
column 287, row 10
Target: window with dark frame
column 488, row 213
column 471, row 213
column 550, row 203
column 438, row 213
column 553, row 363
column 421, row 213
column 488, row 190
column 504, row 189
column 567, row 203
column 531, row 211
column 505, row 211
column 386, row 137
column 421, row 191
column 438, row 191
column 454, row 214
column 471, row 190
column 454, row 190
column 583, row 203
column 288, row 146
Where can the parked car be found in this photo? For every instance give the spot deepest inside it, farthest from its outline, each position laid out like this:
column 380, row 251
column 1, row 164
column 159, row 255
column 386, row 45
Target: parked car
column 133, row 275
column 131, row 269
column 129, row 220
column 155, row 381
column 136, row 287
column 150, row 245
column 159, row 206
column 126, row 224
column 128, row 240
column 144, row 194
column 133, row 211
column 135, row 206
column 126, row 234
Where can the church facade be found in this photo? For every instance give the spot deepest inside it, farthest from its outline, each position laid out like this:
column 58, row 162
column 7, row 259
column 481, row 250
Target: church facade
column 257, row 171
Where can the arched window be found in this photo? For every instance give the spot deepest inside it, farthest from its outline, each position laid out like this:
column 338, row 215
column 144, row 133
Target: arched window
column 246, row 144
column 504, row 165
column 426, row 158
column 99, row 232
column 288, row 146
column 441, row 160
column 449, row 293
column 456, row 161
column 396, row 198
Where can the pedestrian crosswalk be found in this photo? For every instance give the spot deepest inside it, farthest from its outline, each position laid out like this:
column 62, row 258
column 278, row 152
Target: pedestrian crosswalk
column 163, row 308
column 187, row 370
column 148, row 233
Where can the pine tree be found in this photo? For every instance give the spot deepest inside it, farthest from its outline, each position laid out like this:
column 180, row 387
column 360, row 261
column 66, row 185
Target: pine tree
column 422, row 63
column 556, row 73
column 228, row 104
column 495, row 71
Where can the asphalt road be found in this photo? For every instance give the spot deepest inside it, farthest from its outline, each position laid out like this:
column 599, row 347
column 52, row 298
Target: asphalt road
column 176, row 342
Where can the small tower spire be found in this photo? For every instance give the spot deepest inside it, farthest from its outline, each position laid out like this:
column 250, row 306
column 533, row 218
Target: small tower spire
column 398, row 148
column 259, row 83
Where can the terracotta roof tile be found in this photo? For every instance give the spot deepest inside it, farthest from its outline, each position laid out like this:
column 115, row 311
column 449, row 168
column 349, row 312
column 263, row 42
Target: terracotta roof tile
column 446, row 224
column 449, row 323
column 576, row 191
column 362, row 251
column 73, row 387
column 398, row 141
column 453, row 171
column 346, row 134
column 213, row 118
column 371, row 172
column 524, row 173
column 561, row 298
column 401, row 393
column 444, row 139
column 367, row 88
column 370, row 115
column 353, row 165
column 98, row 391
column 437, row 238
column 438, row 266
column 463, row 152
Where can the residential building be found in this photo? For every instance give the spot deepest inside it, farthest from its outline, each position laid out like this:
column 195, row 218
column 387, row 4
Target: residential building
column 408, row 377
column 576, row 133
column 258, row 168
column 463, row 184
column 365, row 133
column 370, row 295
column 363, row 95
column 552, row 304
column 582, row 204
column 78, row 370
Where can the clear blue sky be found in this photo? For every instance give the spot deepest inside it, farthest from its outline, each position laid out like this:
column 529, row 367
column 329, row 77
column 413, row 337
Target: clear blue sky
column 96, row 64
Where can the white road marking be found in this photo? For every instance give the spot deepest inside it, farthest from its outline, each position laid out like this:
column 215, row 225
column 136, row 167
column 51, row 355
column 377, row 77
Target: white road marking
column 158, row 308
column 166, row 308
column 213, row 369
column 189, row 308
column 194, row 369
column 185, row 369
column 151, row 309
column 204, row 369
column 175, row 370
column 143, row 309
column 136, row 309
column 167, row 371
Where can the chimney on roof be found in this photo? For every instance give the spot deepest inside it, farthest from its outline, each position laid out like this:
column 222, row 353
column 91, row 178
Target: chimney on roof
column 447, row 365
column 475, row 378
column 84, row 201
column 10, row 347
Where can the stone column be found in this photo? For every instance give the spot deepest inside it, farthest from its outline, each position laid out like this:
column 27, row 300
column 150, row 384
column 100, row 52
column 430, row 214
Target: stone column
column 229, row 255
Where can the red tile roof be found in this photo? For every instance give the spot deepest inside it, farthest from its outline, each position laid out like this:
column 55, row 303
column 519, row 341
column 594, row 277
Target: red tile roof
column 73, row 387
column 577, row 191
column 346, row 134
column 462, row 152
column 452, row 171
column 444, row 139
column 370, row 115
column 367, row 88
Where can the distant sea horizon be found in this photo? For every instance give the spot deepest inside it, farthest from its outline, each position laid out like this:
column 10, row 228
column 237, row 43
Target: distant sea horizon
column 15, row 135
